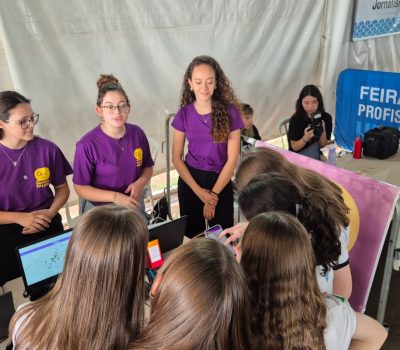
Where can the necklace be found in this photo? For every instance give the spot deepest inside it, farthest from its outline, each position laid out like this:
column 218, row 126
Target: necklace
column 121, row 142
column 14, row 162
column 205, row 117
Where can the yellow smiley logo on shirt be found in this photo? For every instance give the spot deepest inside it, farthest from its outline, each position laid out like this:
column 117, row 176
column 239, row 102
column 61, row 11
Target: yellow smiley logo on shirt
column 138, row 154
column 42, row 174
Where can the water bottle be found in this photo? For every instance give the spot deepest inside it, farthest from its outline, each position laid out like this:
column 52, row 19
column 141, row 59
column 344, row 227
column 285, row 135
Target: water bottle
column 332, row 154
column 357, row 147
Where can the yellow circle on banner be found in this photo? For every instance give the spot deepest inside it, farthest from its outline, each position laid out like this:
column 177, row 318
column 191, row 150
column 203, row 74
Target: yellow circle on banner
column 353, row 215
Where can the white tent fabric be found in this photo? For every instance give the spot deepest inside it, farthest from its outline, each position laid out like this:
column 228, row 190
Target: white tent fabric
column 53, row 51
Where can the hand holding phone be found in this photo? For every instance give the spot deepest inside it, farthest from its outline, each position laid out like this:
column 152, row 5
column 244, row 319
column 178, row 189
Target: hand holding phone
column 213, row 233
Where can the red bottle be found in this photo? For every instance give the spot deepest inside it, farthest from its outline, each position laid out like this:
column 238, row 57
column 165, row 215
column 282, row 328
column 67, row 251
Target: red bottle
column 357, row 147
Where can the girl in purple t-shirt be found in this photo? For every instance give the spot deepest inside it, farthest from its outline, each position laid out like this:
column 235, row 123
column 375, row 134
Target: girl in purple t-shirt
column 210, row 121
column 28, row 166
column 112, row 162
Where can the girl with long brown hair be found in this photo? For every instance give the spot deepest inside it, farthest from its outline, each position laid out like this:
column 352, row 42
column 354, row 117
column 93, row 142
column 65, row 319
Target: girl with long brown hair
column 331, row 214
column 209, row 120
column 98, row 301
column 288, row 310
column 200, row 301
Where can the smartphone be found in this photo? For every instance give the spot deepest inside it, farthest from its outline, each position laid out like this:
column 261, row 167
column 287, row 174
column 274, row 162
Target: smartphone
column 154, row 252
column 213, row 233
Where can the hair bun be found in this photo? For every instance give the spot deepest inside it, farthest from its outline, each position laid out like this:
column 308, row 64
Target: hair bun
column 106, row 79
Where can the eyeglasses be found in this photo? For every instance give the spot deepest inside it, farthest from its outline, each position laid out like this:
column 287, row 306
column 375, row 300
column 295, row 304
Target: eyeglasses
column 122, row 108
column 26, row 123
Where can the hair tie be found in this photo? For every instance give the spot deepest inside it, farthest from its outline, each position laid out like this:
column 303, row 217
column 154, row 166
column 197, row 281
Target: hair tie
column 298, row 208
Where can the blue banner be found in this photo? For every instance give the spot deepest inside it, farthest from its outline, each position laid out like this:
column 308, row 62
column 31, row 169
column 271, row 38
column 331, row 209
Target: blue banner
column 364, row 100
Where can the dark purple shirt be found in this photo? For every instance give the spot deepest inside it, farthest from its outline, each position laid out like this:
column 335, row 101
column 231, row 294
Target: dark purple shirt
column 25, row 187
column 203, row 152
column 110, row 164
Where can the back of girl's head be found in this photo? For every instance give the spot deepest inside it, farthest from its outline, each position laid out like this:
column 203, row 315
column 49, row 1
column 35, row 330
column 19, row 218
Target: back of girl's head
column 309, row 90
column 278, row 260
column 98, row 300
column 106, row 258
column 260, row 161
column 269, row 192
column 9, row 100
column 201, row 302
column 246, row 109
column 107, row 83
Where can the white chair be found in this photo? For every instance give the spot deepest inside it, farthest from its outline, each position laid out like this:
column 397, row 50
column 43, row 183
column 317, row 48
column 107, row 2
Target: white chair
column 283, row 127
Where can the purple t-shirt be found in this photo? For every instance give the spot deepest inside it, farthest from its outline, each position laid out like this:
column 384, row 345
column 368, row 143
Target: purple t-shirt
column 203, row 152
column 25, row 187
column 110, row 164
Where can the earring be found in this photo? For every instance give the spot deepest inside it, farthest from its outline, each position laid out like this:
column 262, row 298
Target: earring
column 191, row 89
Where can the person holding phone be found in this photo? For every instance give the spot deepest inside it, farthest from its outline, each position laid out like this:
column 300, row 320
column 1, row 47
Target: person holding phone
column 199, row 300
column 210, row 121
column 303, row 129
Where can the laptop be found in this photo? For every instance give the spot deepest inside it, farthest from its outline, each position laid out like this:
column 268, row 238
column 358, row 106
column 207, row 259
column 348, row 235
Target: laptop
column 312, row 151
column 41, row 262
column 169, row 233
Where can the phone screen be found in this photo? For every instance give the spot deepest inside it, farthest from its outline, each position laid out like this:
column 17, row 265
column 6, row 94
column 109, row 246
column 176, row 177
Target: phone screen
column 213, row 232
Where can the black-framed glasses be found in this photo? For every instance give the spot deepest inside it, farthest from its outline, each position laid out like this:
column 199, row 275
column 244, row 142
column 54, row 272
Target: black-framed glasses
column 26, row 123
column 122, row 108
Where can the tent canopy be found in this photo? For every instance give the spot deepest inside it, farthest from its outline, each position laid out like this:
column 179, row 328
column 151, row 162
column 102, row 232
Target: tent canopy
column 53, row 52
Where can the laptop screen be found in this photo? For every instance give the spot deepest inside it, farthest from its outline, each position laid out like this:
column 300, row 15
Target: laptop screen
column 44, row 260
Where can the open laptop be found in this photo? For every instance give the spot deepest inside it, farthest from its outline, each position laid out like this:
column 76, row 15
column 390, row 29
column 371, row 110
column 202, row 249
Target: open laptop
column 169, row 233
column 312, row 151
column 41, row 262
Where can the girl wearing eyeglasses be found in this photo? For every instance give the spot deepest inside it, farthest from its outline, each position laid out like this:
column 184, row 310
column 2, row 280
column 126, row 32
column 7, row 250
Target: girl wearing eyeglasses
column 112, row 162
column 209, row 120
column 28, row 166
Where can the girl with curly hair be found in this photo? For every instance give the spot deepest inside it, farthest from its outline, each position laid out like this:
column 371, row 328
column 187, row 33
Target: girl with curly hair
column 288, row 310
column 324, row 194
column 209, row 120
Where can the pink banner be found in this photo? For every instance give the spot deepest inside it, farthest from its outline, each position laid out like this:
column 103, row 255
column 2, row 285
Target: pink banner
column 371, row 206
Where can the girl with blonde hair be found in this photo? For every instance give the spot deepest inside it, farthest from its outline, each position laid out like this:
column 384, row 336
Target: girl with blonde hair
column 209, row 120
column 200, row 301
column 288, row 310
column 329, row 219
column 98, row 301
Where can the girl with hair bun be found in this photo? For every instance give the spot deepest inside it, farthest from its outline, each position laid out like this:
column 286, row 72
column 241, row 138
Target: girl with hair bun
column 209, row 120
column 288, row 310
column 200, row 301
column 29, row 166
column 112, row 162
column 98, row 301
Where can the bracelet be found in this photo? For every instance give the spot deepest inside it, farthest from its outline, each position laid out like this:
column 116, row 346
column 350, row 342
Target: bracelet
column 217, row 194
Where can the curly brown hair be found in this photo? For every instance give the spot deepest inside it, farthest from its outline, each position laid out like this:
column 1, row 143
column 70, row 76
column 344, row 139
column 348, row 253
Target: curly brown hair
column 106, row 83
column 274, row 191
column 222, row 99
column 288, row 308
column 324, row 191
